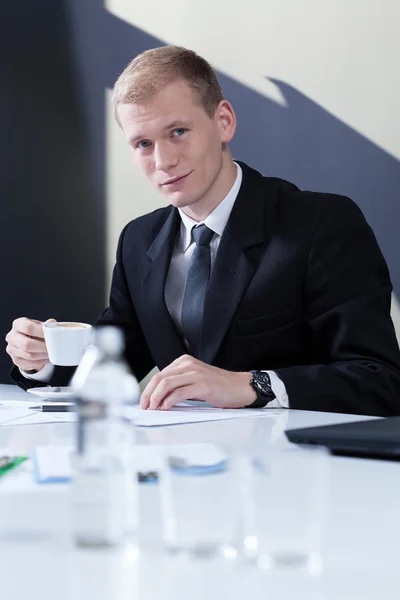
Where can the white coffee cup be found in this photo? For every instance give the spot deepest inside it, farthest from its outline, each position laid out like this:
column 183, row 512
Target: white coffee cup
column 66, row 341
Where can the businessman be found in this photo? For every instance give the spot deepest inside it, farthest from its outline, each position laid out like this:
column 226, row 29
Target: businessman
column 244, row 291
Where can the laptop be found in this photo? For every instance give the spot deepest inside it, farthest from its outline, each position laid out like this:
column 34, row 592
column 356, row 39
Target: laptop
column 373, row 438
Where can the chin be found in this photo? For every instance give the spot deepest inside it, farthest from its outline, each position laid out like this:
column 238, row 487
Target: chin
column 180, row 201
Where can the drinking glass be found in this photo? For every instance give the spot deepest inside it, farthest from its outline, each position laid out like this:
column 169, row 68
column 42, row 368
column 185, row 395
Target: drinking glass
column 284, row 511
column 201, row 507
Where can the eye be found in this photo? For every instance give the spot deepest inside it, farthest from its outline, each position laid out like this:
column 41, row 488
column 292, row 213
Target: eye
column 179, row 132
column 143, row 144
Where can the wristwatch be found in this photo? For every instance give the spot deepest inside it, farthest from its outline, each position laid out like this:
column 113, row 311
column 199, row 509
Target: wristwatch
column 261, row 384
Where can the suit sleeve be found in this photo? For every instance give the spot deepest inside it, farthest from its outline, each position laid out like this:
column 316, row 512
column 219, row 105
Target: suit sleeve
column 347, row 295
column 121, row 313
column 61, row 376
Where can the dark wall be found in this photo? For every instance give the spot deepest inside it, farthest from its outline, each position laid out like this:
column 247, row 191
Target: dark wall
column 51, row 206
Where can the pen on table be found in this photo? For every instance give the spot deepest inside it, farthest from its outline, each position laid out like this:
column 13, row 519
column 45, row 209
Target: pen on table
column 57, row 407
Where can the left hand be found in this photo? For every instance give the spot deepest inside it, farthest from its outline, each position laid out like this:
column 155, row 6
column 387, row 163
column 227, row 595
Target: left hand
column 188, row 378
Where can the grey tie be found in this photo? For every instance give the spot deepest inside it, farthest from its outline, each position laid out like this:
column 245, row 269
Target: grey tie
column 196, row 286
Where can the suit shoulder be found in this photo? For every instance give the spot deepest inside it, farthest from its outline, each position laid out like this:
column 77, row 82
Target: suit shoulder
column 277, row 189
column 320, row 202
column 309, row 210
column 334, row 207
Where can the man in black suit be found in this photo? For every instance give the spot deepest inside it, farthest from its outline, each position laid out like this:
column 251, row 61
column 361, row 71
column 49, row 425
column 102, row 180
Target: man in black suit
column 244, row 291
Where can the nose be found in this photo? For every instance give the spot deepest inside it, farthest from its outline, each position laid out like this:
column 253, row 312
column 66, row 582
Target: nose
column 165, row 158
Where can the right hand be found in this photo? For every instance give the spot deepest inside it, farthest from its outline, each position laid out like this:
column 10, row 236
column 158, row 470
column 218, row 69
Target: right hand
column 26, row 345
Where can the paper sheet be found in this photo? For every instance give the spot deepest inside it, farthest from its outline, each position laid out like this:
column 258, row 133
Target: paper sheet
column 9, row 416
column 13, row 410
column 6, row 404
column 184, row 412
column 13, row 417
column 194, row 412
column 38, row 418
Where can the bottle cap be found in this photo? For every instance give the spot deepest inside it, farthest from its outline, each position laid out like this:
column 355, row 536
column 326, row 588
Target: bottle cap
column 109, row 339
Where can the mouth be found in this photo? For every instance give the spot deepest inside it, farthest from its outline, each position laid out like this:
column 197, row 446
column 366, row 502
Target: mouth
column 175, row 180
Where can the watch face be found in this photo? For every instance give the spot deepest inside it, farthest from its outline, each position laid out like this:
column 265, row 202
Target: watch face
column 262, row 383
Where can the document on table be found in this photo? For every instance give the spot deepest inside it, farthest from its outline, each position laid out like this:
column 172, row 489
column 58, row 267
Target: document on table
column 11, row 410
column 9, row 415
column 184, row 412
column 12, row 417
column 192, row 412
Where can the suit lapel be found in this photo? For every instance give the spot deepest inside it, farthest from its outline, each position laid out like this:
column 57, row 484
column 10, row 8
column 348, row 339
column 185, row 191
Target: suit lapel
column 245, row 237
column 157, row 320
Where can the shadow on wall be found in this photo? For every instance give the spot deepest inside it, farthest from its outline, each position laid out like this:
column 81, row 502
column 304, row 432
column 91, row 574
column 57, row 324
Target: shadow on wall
column 300, row 142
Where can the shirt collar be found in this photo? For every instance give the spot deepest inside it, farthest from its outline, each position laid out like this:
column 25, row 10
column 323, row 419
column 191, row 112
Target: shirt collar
column 217, row 220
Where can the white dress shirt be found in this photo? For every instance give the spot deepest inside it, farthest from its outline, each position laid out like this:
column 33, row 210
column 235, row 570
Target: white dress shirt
column 178, row 269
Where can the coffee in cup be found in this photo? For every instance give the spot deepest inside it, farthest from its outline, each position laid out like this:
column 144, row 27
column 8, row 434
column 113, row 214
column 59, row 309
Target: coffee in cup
column 79, row 325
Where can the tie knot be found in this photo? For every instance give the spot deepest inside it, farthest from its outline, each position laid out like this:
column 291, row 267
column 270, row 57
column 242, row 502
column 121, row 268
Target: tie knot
column 202, row 235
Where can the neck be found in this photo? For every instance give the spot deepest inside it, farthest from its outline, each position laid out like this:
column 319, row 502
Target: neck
column 218, row 190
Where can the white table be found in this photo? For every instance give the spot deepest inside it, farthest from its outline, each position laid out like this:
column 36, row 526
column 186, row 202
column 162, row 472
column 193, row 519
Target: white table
column 361, row 558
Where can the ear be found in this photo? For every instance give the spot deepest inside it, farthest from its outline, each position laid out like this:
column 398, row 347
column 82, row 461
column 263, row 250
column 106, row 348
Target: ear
column 226, row 120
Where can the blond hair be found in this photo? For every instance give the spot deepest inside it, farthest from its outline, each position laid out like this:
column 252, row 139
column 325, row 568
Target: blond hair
column 152, row 70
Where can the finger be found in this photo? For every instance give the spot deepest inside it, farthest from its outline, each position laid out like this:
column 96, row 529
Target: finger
column 27, row 344
column 29, row 365
column 41, row 322
column 168, row 385
column 186, row 361
column 183, row 364
column 15, row 352
column 155, row 381
column 148, row 390
column 184, row 393
column 28, row 327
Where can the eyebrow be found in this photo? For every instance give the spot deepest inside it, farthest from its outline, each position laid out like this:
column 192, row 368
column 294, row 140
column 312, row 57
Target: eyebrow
column 174, row 124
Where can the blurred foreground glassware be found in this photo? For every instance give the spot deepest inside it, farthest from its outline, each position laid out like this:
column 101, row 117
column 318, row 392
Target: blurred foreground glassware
column 105, row 502
column 201, row 507
column 284, row 512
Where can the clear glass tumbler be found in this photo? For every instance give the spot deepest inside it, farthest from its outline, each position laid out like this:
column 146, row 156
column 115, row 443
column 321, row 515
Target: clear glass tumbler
column 284, row 510
column 201, row 507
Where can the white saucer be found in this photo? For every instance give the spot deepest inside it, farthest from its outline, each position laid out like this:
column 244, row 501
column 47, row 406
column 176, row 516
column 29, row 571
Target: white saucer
column 49, row 392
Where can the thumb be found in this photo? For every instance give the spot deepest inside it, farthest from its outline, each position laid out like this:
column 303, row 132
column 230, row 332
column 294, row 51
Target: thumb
column 51, row 321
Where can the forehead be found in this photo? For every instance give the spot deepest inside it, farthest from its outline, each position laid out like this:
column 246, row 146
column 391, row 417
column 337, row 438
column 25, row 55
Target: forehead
column 176, row 102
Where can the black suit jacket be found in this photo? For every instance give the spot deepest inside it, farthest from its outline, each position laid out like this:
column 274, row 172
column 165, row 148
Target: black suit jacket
column 299, row 286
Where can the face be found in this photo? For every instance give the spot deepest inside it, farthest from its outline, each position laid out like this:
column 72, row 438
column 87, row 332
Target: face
column 180, row 149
